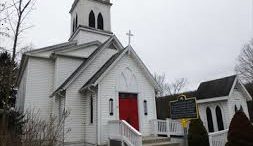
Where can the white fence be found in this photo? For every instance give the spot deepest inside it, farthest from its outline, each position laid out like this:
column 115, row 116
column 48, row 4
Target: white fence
column 218, row 138
column 167, row 127
column 121, row 130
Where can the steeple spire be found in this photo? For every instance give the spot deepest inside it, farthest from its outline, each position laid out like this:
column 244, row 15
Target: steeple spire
column 90, row 19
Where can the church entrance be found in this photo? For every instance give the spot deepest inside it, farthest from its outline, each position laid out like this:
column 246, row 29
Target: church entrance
column 128, row 109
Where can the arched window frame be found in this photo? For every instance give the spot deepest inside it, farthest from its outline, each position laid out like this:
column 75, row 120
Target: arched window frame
column 209, row 117
column 91, row 109
column 145, row 107
column 220, row 122
column 76, row 25
column 236, row 109
column 241, row 109
column 100, row 22
column 92, row 19
column 73, row 26
column 111, row 107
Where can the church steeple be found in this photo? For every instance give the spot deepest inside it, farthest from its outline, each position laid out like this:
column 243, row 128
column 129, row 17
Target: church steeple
column 90, row 19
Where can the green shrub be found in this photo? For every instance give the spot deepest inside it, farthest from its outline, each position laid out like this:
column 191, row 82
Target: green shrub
column 197, row 134
column 240, row 131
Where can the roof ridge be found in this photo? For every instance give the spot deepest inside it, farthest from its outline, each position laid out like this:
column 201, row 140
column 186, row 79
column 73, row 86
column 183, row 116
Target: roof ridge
column 79, row 46
column 219, row 79
column 81, row 66
column 47, row 48
column 105, row 66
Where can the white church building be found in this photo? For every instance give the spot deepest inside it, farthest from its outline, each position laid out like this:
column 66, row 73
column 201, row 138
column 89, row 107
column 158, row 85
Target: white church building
column 103, row 85
column 107, row 89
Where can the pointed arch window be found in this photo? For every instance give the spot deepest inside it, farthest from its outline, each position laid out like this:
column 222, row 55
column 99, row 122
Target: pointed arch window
column 91, row 109
column 73, row 25
column 145, row 104
column 100, row 22
column 209, row 119
column 236, row 109
column 241, row 109
column 111, row 107
column 219, row 118
column 76, row 25
column 92, row 19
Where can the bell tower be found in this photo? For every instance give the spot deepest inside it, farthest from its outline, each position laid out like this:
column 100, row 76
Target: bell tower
column 90, row 20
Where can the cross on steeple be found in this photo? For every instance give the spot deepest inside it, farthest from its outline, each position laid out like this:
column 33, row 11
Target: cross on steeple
column 129, row 34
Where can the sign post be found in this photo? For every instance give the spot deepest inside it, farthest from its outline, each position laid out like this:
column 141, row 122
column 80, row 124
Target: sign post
column 184, row 109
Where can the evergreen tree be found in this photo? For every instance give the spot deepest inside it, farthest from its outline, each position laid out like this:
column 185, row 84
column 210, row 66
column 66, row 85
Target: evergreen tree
column 8, row 71
column 197, row 134
column 240, row 131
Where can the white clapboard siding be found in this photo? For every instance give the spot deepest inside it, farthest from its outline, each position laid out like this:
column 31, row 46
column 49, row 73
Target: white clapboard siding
column 237, row 99
column 108, row 88
column 21, row 92
column 64, row 67
column 39, row 85
column 90, row 128
column 75, row 102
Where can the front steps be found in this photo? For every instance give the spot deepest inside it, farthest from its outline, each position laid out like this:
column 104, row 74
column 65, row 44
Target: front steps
column 149, row 141
column 158, row 141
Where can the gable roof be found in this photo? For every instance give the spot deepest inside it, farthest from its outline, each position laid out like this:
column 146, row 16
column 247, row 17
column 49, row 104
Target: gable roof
column 215, row 88
column 112, row 61
column 85, row 63
column 55, row 49
column 79, row 46
column 63, row 47
column 99, row 73
column 209, row 89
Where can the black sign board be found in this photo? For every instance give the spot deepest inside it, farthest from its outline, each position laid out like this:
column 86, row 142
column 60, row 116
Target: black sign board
column 184, row 108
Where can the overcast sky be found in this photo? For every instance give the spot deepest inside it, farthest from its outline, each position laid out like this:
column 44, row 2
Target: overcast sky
column 195, row 39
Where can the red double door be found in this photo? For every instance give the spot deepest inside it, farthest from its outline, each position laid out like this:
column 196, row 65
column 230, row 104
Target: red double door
column 128, row 109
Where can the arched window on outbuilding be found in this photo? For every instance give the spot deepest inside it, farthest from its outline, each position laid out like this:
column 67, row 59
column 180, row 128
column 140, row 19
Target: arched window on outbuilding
column 209, row 119
column 236, row 109
column 241, row 109
column 100, row 22
column 219, row 118
column 92, row 19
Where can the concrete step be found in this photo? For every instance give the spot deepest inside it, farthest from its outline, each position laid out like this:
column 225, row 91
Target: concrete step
column 162, row 144
column 154, row 139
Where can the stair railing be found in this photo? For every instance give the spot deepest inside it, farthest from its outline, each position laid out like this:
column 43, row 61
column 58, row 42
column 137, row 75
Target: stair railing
column 121, row 130
column 218, row 138
column 167, row 127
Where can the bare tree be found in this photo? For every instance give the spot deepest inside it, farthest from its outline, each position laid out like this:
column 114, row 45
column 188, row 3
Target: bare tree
column 38, row 132
column 16, row 12
column 244, row 66
column 178, row 85
column 169, row 88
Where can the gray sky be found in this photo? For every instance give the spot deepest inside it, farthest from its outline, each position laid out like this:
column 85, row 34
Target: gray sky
column 195, row 39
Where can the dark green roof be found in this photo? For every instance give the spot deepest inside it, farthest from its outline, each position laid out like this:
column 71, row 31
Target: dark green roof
column 210, row 89
column 215, row 88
